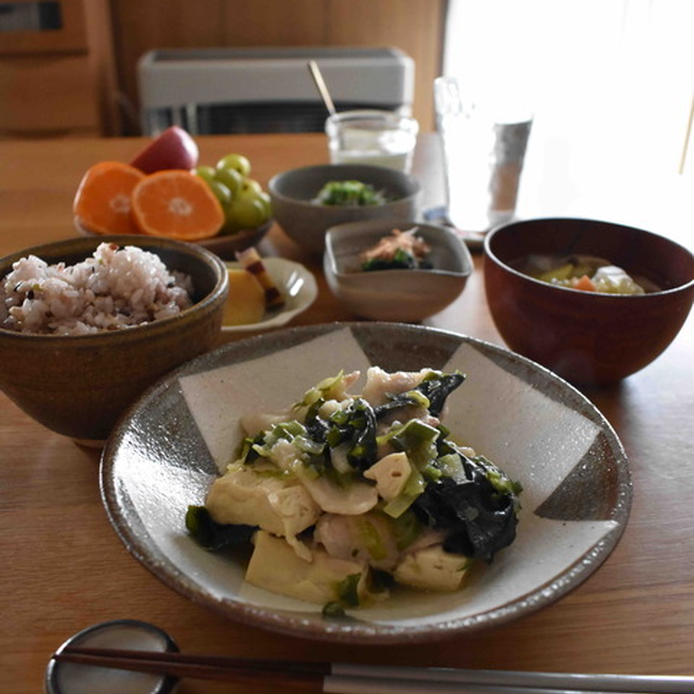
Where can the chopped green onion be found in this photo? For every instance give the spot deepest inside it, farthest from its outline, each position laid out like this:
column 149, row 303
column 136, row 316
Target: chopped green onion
column 371, row 539
column 406, row 528
column 414, row 486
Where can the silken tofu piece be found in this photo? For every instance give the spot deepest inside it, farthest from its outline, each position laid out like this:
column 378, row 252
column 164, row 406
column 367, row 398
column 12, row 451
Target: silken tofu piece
column 390, row 474
column 279, row 504
column 432, row 568
column 276, row 567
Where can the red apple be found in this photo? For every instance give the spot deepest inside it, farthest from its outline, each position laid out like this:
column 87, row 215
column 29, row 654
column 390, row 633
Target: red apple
column 173, row 149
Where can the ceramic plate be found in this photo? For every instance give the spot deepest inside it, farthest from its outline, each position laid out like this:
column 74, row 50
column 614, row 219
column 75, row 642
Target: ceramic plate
column 577, row 491
column 297, row 285
column 225, row 246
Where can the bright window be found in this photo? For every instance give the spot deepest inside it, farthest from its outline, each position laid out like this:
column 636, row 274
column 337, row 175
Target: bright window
column 611, row 86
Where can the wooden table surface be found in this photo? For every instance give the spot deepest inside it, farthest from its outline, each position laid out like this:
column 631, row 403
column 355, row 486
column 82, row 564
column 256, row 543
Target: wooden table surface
column 63, row 567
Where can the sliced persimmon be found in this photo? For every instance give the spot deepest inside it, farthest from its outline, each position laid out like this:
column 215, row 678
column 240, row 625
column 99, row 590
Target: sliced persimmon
column 102, row 202
column 177, row 204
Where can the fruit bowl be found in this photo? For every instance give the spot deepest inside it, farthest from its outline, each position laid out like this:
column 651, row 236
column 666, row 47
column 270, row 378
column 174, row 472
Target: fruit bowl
column 223, row 245
column 227, row 245
column 164, row 193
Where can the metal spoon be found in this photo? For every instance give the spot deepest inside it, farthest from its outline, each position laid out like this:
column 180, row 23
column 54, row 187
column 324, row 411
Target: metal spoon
column 320, row 86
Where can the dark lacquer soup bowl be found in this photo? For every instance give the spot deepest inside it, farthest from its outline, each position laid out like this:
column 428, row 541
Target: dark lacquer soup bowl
column 586, row 336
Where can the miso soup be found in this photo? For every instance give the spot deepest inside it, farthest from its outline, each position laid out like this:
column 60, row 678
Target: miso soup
column 584, row 272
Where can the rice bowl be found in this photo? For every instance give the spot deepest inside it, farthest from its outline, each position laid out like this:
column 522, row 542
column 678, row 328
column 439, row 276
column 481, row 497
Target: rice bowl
column 79, row 384
column 111, row 289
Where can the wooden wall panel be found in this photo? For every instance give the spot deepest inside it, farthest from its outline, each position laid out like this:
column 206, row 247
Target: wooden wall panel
column 47, row 95
column 414, row 26
column 102, row 65
column 275, row 23
column 141, row 26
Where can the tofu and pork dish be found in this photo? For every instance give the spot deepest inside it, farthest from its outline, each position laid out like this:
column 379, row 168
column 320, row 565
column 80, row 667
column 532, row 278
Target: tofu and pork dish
column 344, row 497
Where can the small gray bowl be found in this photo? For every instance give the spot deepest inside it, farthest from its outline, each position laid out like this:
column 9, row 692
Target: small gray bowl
column 306, row 222
column 395, row 295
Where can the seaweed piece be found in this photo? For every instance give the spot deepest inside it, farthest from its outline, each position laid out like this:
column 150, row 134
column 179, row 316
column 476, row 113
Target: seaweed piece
column 431, row 393
column 437, row 386
column 333, row 610
column 381, row 580
column 411, row 397
column 212, row 535
column 355, row 424
column 480, row 519
column 316, row 427
column 347, row 590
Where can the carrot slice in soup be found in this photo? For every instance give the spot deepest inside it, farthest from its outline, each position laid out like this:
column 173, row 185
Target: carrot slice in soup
column 102, row 201
column 177, row 204
column 585, row 284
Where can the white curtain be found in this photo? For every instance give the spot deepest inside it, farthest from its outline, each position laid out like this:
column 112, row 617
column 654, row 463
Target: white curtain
column 610, row 83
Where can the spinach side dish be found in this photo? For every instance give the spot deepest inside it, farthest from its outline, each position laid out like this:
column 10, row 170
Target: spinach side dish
column 349, row 194
column 401, row 250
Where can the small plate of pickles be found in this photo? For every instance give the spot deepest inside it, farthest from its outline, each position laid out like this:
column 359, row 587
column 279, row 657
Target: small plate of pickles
column 265, row 294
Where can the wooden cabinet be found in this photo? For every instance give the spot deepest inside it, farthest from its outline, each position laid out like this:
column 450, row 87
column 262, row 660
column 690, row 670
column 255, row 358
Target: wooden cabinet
column 59, row 81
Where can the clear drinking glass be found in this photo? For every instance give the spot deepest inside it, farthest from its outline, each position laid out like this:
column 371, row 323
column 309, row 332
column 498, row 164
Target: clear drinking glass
column 381, row 138
column 483, row 157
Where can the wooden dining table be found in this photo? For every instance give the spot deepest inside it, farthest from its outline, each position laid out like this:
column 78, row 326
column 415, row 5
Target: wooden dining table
column 64, row 568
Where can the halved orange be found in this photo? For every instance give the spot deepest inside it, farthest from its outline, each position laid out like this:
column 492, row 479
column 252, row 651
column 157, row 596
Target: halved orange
column 102, row 201
column 177, row 204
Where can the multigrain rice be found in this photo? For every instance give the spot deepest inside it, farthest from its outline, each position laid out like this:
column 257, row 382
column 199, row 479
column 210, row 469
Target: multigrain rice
column 114, row 288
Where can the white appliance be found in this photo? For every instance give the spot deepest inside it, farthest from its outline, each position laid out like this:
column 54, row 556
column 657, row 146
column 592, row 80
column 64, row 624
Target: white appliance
column 244, row 90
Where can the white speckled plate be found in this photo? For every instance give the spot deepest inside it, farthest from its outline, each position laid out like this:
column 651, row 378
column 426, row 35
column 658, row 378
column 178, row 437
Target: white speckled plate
column 577, row 491
column 298, row 286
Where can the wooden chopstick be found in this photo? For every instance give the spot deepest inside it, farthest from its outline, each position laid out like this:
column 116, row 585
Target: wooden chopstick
column 222, row 661
column 192, row 666
column 370, row 679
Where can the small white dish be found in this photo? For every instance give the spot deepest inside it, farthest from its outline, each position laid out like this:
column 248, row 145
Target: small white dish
column 395, row 295
column 297, row 285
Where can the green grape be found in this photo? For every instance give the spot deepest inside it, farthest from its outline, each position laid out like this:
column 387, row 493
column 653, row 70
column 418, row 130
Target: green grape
column 267, row 203
column 207, row 173
column 245, row 213
column 237, row 162
column 220, row 191
column 231, row 178
column 250, row 188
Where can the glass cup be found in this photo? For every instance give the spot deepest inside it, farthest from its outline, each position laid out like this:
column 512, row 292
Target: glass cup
column 483, row 154
column 380, row 138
